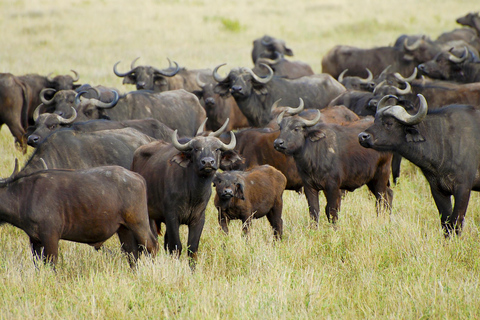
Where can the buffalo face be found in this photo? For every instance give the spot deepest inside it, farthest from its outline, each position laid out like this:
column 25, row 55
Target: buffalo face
column 241, row 82
column 63, row 82
column 229, row 185
column 446, row 65
column 393, row 127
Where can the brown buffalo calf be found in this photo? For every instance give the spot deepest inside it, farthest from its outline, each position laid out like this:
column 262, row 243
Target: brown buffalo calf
column 86, row 206
column 251, row 194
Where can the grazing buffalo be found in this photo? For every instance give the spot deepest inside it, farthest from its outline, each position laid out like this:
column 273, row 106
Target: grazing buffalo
column 150, row 78
column 248, row 195
column 256, row 95
column 20, row 95
column 283, row 68
column 443, row 143
column 86, row 206
column 47, row 123
column 218, row 109
column 446, row 65
column 329, row 158
column 67, row 149
column 179, row 184
column 268, row 47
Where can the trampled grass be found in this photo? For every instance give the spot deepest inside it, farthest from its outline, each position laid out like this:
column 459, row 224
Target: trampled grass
column 387, row 267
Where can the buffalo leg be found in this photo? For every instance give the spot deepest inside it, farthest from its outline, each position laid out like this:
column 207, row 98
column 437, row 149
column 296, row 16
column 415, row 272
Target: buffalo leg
column 194, row 233
column 334, row 197
column 222, row 220
column 462, row 198
column 396, row 163
column 444, row 206
column 383, row 194
column 275, row 219
column 313, row 204
column 37, row 251
column 129, row 245
column 172, row 238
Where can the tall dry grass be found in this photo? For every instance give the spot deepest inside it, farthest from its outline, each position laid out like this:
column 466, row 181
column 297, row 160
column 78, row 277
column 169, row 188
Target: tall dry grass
column 391, row 266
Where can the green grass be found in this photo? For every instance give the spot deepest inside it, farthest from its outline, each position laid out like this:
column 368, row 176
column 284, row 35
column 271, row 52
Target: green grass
column 395, row 266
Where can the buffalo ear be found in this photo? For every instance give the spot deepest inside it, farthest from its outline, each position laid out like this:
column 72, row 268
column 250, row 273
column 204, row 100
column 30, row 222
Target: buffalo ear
column 231, row 160
column 316, row 135
column 259, row 88
column 183, row 159
column 128, row 80
column 239, row 191
column 412, row 135
column 222, row 89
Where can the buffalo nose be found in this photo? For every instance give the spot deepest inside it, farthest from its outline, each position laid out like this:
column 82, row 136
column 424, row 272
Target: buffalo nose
column 363, row 136
column 227, row 192
column 421, row 67
column 210, row 101
column 140, row 85
column 236, row 88
column 279, row 143
column 208, row 162
column 33, row 140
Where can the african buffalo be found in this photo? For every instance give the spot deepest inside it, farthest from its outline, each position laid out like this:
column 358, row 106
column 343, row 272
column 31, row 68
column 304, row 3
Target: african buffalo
column 67, row 149
column 248, row 195
column 20, row 95
column 150, row 78
column 86, row 206
column 329, row 158
column 179, row 184
column 255, row 95
column 282, row 67
column 357, row 83
column 446, row 65
column 472, row 20
column 443, row 143
column 268, row 47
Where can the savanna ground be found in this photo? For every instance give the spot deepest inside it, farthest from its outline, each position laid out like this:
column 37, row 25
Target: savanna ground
column 393, row 266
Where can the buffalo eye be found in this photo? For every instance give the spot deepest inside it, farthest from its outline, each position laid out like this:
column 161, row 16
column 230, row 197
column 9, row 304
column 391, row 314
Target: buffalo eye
column 52, row 126
column 388, row 123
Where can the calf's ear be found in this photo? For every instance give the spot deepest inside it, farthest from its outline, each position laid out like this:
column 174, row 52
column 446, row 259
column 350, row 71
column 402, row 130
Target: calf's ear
column 239, row 191
column 231, row 160
column 412, row 135
column 316, row 135
column 183, row 159
column 222, row 89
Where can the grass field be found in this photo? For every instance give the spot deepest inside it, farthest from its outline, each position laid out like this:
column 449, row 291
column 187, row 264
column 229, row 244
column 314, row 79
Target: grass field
column 387, row 267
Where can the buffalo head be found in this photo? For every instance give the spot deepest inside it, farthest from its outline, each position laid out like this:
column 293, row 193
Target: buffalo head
column 147, row 77
column 47, row 123
column 446, row 65
column 241, row 82
column 229, row 185
column 204, row 152
column 393, row 126
column 267, row 47
column 63, row 82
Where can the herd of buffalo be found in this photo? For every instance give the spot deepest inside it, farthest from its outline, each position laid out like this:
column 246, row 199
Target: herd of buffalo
column 106, row 162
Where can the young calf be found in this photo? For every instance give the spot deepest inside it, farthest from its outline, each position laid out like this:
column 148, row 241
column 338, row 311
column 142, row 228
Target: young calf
column 251, row 194
column 86, row 206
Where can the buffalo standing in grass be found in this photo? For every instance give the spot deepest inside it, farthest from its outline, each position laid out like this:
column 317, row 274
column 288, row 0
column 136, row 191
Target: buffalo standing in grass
column 251, row 194
column 329, row 158
column 86, row 206
column 179, row 184
column 443, row 143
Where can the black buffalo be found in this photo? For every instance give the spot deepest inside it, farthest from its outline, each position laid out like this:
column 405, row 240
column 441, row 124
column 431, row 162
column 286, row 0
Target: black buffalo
column 269, row 47
column 443, row 143
column 329, row 158
column 255, row 95
column 179, row 184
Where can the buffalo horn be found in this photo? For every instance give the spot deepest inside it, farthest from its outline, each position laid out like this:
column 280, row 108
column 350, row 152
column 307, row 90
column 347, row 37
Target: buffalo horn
column 132, row 65
column 216, row 76
column 402, row 115
column 77, row 76
column 382, row 103
column 280, row 117
column 220, row 131
column 36, row 113
column 78, row 96
column 277, row 59
column 105, row 105
column 456, row 59
column 121, row 74
column 200, row 83
column 42, row 96
column 291, row 111
column 407, row 89
column 314, row 121
column 369, row 77
column 69, row 120
column 178, row 145
column 201, row 129
column 231, row 145
column 257, row 78
column 49, row 77
column 167, row 73
column 409, row 79
column 379, row 85
column 340, row 77
column 413, row 46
